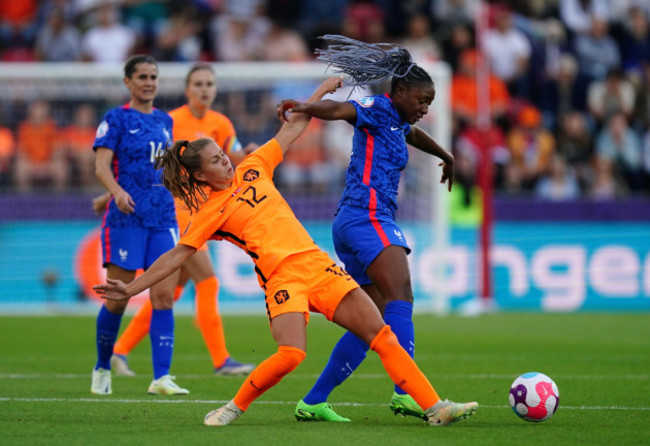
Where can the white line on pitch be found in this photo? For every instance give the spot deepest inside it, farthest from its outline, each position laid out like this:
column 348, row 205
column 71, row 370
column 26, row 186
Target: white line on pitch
column 287, row 403
column 356, row 376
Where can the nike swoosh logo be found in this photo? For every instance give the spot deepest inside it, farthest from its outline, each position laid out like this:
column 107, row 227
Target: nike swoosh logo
column 134, row 131
column 304, row 413
column 394, row 128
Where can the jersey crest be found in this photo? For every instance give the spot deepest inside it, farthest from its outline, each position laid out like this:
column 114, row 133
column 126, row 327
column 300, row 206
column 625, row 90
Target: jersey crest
column 251, row 175
column 366, row 102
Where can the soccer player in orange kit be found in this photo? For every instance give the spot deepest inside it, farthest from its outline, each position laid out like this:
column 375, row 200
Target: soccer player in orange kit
column 194, row 120
column 244, row 207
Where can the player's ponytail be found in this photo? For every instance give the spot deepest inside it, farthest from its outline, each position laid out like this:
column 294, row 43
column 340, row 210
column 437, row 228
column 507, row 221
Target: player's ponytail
column 178, row 164
column 371, row 63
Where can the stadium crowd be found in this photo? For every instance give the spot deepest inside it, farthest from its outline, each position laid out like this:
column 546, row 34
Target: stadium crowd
column 569, row 85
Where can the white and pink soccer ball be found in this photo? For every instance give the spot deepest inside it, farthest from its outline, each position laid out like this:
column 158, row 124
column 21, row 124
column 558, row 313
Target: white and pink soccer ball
column 534, row 397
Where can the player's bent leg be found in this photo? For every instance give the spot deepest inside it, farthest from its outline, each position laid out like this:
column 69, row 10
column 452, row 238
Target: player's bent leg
column 120, row 365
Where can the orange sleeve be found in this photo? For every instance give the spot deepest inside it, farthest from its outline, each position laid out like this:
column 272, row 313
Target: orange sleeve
column 266, row 157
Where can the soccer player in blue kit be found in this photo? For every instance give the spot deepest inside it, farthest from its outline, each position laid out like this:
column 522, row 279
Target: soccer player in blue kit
column 366, row 238
column 140, row 221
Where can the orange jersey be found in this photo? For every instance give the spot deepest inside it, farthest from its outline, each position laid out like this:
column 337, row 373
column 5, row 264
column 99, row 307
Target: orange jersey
column 213, row 125
column 252, row 214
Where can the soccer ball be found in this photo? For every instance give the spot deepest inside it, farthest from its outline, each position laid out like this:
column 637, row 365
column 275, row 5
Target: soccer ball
column 534, row 397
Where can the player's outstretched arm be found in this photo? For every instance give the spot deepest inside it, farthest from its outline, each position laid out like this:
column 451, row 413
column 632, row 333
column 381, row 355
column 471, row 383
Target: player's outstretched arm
column 421, row 140
column 296, row 123
column 161, row 268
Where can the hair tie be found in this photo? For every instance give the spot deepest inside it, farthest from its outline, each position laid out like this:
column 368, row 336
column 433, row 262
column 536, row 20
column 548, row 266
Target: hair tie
column 183, row 147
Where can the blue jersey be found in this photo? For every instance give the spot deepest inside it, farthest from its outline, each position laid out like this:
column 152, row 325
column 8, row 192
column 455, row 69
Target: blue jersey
column 379, row 155
column 136, row 139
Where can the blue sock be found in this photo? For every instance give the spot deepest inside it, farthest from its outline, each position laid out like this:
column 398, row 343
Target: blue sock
column 108, row 325
column 348, row 353
column 161, row 333
column 399, row 315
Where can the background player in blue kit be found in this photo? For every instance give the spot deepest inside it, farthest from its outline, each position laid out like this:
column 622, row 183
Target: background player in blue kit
column 366, row 237
column 140, row 221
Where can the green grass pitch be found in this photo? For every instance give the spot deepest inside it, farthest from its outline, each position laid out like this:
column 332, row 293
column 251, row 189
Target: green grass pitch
column 600, row 362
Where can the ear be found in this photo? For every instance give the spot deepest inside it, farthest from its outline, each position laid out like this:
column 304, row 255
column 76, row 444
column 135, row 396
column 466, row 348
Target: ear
column 198, row 176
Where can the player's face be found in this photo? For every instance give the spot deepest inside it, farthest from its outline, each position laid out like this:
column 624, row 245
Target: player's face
column 201, row 88
column 143, row 83
column 413, row 103
column 216, row 168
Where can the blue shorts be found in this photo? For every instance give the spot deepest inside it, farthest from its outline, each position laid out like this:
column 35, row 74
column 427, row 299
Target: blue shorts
column 136, row 248
column 360, row 235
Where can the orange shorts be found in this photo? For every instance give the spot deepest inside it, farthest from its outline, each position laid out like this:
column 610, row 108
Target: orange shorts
column 183, row 219
column 309, row 281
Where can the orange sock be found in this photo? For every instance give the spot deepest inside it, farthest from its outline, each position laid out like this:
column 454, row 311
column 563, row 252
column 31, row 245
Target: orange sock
column 209, row 320
column 138, row 328
column 402, row 369
column 268, row 374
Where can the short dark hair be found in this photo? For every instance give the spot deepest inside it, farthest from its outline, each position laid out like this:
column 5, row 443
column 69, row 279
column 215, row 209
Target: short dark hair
column 131, row 64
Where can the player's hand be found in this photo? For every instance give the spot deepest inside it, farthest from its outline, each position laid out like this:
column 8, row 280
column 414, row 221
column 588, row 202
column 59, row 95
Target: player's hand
column 447, row 173
column 331, row 84
column 287, row 105
column 113, row 289
column 251, row 147
column 100, row 202
column 124, row 202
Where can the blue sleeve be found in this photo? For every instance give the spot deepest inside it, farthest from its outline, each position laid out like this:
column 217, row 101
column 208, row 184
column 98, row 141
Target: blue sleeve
column 108, row 132
column 370, row 112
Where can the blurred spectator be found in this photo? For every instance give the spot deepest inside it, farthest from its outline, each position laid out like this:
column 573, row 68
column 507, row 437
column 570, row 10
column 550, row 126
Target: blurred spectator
column 76, row 141
column 597, row 52
column 464, row 91
column 146, row 18
column 605, row 185
column 613, row 95
column 240, row 37
column 7, row 152
column 18, row 21
column 363, row 20
column 418, row 40
column 646, row 162
column 178, row 39
column 465, row 207
column 107, row 40
column 508, row 51
column 37, row 158
column 283, row 44
column 635, row 43
column 531, row 146
column 578, row 15
column 321, row 17
column 460, row 39
column 560, row 184
column 455, row 11
column 252, row 114
column 472, row 143
column 642, row 103
column 575, row 144
column 58, row 40
column 618, row 143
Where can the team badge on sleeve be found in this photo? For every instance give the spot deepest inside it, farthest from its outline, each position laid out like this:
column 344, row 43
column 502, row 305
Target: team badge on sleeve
column 102, row 129
column 366, row 102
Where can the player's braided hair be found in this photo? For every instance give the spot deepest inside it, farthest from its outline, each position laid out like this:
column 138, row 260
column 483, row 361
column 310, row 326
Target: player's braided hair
column 371, row 63
column 178, row 163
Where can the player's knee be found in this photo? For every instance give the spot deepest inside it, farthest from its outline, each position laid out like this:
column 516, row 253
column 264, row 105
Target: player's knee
column 290, row 358
column 384, row 339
